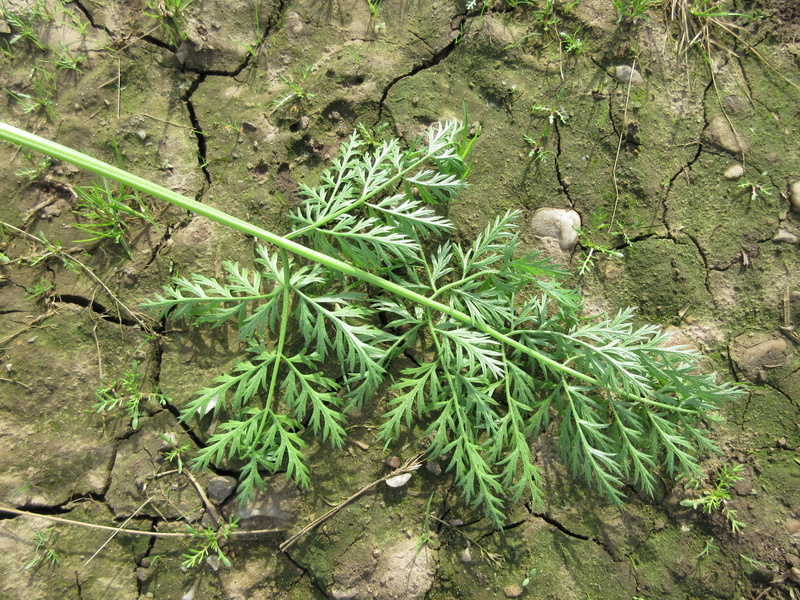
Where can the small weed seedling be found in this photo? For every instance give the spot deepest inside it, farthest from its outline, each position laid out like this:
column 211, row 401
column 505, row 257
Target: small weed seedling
column 23, row 25
column 548, row 22
column 552, row 114
column 755, row 189
column 425, row 538
column 537, row 151
column 65, row 59
column 616, row 237
column 298, row 93
column 717, row 497
column 572, row 44
column 40, row 290
column 44, row 549
column 39, row 95
column 211, row 542
column 708, row 547
column 374, row 7
column 175, row 453
column 369, row 272
column 126, row 393
column 37, row 166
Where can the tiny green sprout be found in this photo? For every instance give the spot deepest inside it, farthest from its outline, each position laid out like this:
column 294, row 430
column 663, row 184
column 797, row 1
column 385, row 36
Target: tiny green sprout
column 718, row 496
column 552, row 114
column 22, row 27
column 39, row 290
column 126, row 393
column 531, row 574
column 44, row 551
column 177, row 452
column 36, row 166
column 170, row 16
column 537, row 152
column 757, row 563
column 425, row 538
column 571, row 42
column 374, row 7
column 65, row 59
column 756, row 189
column 298, row 93
column 707, row 548
column 633, row 9
column 104, row 210
column 211, row 541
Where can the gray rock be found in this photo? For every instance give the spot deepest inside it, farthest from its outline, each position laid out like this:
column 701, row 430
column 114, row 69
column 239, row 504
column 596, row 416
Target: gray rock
column 559, row 224
column 720, row 134
column 785, row 237
column 220, row 488
column 757, row 360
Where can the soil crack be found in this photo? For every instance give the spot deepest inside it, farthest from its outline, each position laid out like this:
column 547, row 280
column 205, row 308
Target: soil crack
column 573, row 534
column 97, row 308
column 197, row 128
column 435, row 59
column 559, row 175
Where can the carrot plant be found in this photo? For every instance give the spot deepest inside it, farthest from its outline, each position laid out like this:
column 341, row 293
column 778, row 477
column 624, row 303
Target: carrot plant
column 495, row 347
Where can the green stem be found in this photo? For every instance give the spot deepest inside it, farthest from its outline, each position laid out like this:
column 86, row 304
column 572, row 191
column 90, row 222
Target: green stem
column 285, row 311
column 83, row 161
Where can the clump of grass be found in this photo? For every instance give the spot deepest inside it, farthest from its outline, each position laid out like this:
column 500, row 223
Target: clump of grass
column 171, row 18
column 104, row 211
column 630, row 10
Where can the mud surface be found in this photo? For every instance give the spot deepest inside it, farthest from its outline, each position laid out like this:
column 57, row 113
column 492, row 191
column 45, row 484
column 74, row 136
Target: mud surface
column 678, row 169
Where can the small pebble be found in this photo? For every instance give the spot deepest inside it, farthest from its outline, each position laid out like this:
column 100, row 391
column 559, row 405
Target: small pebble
column 792, row 526
column 734, row 172
column 512, row 591
column 625, row 74
column 213, row 562
column 141, row 134
column 220, row 488
column 794, row 196
column 434, row 467
column 720, row 134
column 393, row 462
column 466, row 556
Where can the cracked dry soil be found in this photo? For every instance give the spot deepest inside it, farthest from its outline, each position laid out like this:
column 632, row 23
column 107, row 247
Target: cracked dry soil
column 703, row 255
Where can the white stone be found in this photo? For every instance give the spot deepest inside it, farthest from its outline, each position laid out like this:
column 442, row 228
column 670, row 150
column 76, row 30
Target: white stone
column 734, row 172
column 559, row 224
